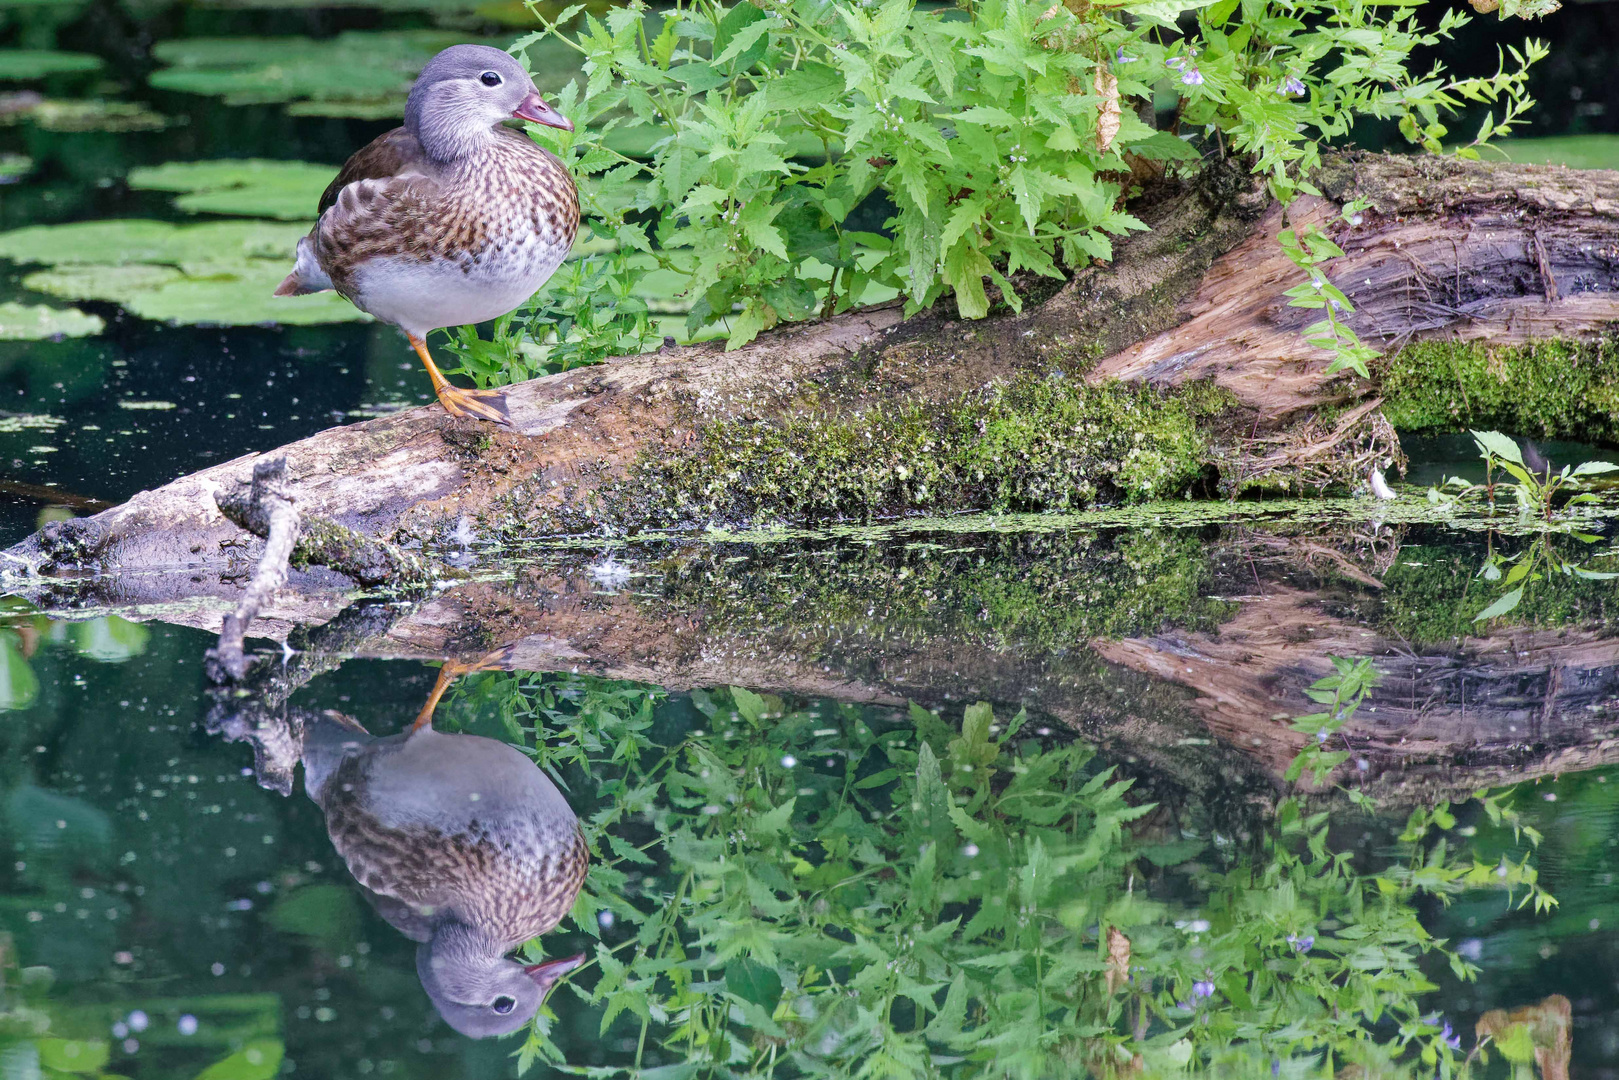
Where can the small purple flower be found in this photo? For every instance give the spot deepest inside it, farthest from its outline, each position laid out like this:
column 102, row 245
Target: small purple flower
column 1449, row 1038
column 1202, row 989
column 1276, row 1066
column 1321, row 736
column 1293, row 87
column 1121, row 57
column 1191, row 76
column 1301, row 944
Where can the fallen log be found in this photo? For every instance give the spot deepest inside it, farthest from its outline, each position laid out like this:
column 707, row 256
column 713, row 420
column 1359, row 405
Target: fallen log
column 867, row 415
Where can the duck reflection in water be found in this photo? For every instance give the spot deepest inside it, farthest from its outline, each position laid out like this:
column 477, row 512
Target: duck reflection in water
column 460, row 842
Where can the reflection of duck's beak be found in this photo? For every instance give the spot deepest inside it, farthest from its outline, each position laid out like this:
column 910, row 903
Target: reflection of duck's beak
column 546, row 974
column 535, row 108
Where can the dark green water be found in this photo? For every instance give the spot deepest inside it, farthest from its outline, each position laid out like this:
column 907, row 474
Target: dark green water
column 165, row 915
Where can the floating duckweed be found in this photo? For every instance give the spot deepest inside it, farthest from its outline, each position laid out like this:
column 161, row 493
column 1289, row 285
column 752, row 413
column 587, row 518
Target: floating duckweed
column 10, row 425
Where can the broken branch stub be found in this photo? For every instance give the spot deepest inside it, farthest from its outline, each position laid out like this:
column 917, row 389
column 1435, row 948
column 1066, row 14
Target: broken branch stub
column 269, row 506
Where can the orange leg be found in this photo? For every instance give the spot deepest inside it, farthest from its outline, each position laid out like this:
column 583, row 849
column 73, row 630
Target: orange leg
column 448, row 674
column 484, row 404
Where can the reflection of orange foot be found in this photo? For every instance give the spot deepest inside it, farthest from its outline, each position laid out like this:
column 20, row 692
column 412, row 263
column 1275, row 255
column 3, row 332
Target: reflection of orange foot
column 345, row 721
column 452, row 671
column 484, row 404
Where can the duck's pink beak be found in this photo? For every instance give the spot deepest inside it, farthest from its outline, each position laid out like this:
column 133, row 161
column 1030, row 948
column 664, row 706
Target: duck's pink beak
column 534, row 108
column 546, row 974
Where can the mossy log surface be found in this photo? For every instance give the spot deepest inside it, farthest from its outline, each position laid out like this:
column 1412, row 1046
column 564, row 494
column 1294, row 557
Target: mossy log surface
column 867, row 415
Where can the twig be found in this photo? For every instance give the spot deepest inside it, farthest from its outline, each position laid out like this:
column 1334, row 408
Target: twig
column 324, row 542
column 270, row 505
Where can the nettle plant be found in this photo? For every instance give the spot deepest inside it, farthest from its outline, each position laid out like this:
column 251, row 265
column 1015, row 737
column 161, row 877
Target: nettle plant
column 836, row 891
column 793, row 157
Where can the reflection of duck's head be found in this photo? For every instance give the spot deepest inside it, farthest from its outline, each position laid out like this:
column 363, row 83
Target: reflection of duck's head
column 476, row 988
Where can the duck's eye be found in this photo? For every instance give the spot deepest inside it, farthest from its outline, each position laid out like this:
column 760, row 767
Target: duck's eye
column 491, row 78
column 503, row 1004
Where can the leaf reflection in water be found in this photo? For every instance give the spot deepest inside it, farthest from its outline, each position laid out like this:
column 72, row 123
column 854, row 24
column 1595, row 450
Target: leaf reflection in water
column 835, row 891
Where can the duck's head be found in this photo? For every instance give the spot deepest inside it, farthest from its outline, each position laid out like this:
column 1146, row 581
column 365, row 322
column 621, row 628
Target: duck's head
column 479, row 991
column 464, row 92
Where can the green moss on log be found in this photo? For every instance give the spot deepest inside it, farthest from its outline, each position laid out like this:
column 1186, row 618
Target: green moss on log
column 1546, row 389
column 1027, row 593
column 1037, row 444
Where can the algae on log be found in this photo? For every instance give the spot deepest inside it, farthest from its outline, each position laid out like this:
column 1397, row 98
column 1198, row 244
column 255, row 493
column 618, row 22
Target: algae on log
column 866, row 414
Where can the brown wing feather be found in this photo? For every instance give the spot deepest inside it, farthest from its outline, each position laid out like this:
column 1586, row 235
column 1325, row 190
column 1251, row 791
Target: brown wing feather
column 384, row 157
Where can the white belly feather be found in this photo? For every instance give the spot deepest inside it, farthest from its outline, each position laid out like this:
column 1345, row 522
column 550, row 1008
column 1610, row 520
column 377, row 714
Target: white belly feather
column 421, row 296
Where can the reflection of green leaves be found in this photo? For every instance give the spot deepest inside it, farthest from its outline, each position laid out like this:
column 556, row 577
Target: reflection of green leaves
column 288, row 190
column 753, row 981
column 327, row 914
column 73, row 1055
column 874, row 901
column 25, row 65
column 1506, row 603
column 32, row 322
column 110, row 639
column 258, row 1060
column 18, row 683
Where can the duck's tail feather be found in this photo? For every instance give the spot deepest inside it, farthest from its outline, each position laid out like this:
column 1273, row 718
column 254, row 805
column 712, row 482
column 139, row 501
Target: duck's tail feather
column 329, row 737
column 306, row 276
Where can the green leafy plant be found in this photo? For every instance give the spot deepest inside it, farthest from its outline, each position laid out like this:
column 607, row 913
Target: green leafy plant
column 828, row 890
column 796, row 157
column 1342, row 692
column 1534, row 492
column 588, row 313
column 1307, row 251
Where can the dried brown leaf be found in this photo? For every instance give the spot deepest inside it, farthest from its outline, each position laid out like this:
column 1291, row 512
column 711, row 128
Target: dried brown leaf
column 1118, row 960
column 1108, row 113
column 1550, row 1026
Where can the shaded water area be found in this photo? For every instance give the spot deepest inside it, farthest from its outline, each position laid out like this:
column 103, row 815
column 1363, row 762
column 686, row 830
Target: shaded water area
column 980, row 795
column 970, row 749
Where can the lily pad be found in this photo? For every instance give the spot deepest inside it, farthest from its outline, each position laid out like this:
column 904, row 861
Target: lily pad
column 121, row 242
column 354, row 74
column 288, row 190
column 219, row 272
column 26, row 65
column 505, row 12
column 51, row 114
column 363, row 74
column 215, row 294
column 23, row 322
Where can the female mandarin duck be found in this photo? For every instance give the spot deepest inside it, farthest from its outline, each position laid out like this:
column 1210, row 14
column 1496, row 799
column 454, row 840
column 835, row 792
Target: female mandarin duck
column 454, row 218
column 463, row 844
